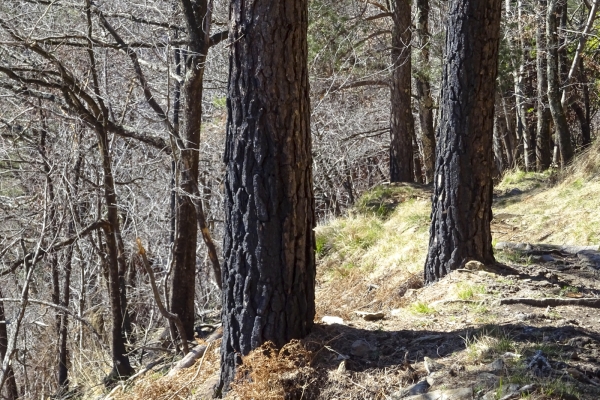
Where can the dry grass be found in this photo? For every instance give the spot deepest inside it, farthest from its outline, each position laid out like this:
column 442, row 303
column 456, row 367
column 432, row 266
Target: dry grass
column 269, row 373
column 185, row 384
column 371, row 260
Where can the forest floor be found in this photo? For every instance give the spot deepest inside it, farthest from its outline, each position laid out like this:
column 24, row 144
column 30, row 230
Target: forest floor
column 525, row 327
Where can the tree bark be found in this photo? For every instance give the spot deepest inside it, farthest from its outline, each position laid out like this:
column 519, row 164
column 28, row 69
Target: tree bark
column 269, row 260
column 556, row 109
column 462, row 200
column 542, row 148
column 521, row 94
column 198, row 17
column 402, row 128
column 423, row 92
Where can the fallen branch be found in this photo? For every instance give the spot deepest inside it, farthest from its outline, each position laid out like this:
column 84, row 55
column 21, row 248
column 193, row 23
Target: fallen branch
column 196, row 353
column 530, row 248
column 552, row 302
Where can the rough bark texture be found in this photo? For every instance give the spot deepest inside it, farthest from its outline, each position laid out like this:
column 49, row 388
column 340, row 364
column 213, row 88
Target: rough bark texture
column 462, row 199
column 269, row 262
column 402, row 128
column 542, row 147
column 425, row 100
column 558, row 114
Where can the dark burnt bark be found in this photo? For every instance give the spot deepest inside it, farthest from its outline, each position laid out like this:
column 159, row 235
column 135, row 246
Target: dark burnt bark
column 269, row 268
column 423, row 92
column 12, row 392
column 563, row 136
column 462, row 199
column 402, row 128
column 543, row 156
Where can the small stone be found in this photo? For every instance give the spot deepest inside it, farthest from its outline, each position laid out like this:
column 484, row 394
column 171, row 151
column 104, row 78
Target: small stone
column 496, row 366
column 342, row 367
column 451, row 394
column 515, row 192
column 410, row 292
column 431, row 366
column 329, row 320
column 547, row 258
column 360, row 348
column 370, row 316
column 412, row 390
column 396, row 312
column 474, row 266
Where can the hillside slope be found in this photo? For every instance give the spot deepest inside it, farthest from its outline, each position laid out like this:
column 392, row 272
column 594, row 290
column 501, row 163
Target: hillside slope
column 526, row 327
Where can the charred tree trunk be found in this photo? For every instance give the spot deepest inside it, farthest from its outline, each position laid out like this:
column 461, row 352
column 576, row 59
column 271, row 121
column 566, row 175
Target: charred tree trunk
column 462, row 199
column 402, row 128
column 423, row 95
column 563, row 136
column 269, row 268
column 12, row 392
column 542, row 148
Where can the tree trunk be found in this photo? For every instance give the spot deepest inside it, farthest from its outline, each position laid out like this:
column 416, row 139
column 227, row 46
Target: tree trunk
column 198, row 16
column 423, row 95
column 12, row 392
column 63, row 356
column 558, row 114
column 402, row 128
column 269, row 268
column 121, row 366
column 521, row 95
column 542, row 148
column 462, row 200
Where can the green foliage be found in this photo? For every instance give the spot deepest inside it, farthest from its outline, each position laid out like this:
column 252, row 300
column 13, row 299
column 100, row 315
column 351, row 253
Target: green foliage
column 420, row 307
column 466, row 291
column 219, row 102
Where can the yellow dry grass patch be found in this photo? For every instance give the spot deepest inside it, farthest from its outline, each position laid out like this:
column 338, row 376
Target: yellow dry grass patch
column 565, row 214
column 369, row 261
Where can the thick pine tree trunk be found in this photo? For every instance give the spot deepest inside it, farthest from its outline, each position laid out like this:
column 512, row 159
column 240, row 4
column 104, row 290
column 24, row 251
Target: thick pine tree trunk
column 402, row 128
column 462, row 199
column 542, row 148
column 269, row 261
column 423, row 95
column 558, row 114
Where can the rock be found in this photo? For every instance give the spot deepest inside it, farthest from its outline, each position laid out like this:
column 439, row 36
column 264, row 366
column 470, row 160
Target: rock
column 410, row 292
column 496, row 366
column 412, row 390
column 361, row 348
column 329, row 320
column 547, row 258
column 342, row 367
column 451, row 394
column 515, row 192
column 431, row 366
column 474, row 266
column 396, row 312
column 539, row 365
column 370, row 316
column 207, row 389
